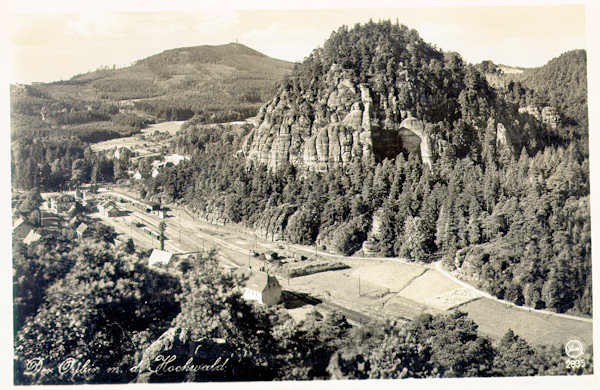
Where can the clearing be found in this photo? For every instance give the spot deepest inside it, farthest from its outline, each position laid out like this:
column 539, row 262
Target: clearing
column 495, row 318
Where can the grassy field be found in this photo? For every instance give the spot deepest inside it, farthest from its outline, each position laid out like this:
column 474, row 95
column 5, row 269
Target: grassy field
column 391, row 275
column 399, row 306
column 494, row 319
column 142, row 143
column 342, row 288
column 429, row 285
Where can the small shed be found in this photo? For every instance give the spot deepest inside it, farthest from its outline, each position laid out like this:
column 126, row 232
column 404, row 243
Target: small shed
column 260, row 286
column 83, row 230
column 159, row 257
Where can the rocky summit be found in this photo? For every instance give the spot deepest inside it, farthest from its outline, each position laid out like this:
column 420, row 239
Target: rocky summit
column 371, row 93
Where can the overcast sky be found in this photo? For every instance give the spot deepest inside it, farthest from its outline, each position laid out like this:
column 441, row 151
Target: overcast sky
column 46, row 43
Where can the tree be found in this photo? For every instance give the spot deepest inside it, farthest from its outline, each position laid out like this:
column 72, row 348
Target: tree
column 162, row 226
column 104, row 310
column 105, row 233
column 514, row 357
column 130, row 246
column 414, row 240
column 456, row 348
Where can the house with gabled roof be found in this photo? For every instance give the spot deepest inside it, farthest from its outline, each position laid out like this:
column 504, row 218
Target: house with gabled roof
column 83, row 231
column 61, row 203
column 109, row 209
column 21, row 228
column 31, row 237
column 260, row 286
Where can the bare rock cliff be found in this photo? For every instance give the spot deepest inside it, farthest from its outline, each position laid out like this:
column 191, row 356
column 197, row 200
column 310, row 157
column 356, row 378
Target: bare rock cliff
column 345, row 123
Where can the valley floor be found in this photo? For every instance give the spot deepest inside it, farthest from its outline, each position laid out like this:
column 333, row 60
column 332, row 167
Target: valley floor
column 371, row 288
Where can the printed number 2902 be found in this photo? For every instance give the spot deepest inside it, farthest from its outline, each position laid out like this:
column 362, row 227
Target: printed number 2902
column 575, row 363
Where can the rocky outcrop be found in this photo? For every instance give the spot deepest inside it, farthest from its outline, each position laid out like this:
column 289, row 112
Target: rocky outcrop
column 272, row 222
column 371, row 246
column 199, row 360
column 347, row 122
column 547, row 115
column 550, row 116
column 502, row 136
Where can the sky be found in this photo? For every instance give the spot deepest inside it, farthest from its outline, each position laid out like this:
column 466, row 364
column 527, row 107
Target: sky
column 48, row 43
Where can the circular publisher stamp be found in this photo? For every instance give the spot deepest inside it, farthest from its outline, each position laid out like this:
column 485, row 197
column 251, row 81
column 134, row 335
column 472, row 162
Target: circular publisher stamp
column 574, row 349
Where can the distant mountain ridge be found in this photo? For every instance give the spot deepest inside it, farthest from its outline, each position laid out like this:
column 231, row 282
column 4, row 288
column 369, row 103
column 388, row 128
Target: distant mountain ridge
column 218, row 83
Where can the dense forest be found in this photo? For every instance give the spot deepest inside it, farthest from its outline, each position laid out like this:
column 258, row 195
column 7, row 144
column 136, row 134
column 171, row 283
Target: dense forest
column 100, row 315
column 516, row 223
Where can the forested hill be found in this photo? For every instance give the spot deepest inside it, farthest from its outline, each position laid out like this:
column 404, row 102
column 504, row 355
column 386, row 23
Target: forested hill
column 214, row 83
column 217, row 83
column 381, row 144
column 355, row 98
column 561, row 83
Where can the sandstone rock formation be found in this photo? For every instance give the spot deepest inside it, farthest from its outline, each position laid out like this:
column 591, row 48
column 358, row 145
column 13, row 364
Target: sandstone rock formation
column 547, row 115
column 345, row 123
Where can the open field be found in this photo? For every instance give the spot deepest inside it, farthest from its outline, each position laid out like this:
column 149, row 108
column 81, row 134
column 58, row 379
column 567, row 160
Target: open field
column 391, row 275
column 435, row 290
column 141, row 143
column 495, row 318
column 399, row 306
column 340, row 287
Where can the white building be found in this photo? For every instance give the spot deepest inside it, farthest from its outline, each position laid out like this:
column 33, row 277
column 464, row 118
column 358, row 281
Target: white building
column 260, row 286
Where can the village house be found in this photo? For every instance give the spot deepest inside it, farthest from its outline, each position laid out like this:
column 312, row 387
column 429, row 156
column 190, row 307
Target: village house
column 159, row 257
column 260, row 286
column 137, row 175
column 90, row 201
column 74, row 221
column 31, row 237
column 21, row 228
column 62, row 203
column 72, row 210
column 108, row 209
column 83, row 231
column 175, row 159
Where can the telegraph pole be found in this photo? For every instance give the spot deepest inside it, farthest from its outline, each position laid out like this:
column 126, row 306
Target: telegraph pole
column 359, row 285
